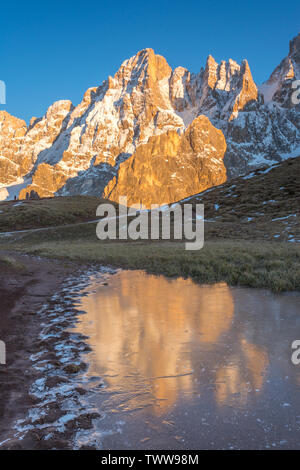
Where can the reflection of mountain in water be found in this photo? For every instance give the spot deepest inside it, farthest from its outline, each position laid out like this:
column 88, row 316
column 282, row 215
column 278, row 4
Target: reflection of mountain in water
column 159, row 340
column 245, row 372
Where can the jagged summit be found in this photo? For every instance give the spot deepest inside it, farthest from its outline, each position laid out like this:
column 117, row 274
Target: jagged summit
column 142, row 68
column 295, row 48
column 278, row 87
column 79, row 150
column 144, row 56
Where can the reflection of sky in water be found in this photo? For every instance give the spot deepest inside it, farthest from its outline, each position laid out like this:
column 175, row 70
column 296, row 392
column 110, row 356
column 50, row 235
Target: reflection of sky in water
column 162, row 341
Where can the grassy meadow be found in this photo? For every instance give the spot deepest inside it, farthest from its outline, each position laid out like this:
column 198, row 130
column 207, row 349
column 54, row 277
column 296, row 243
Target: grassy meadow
column 252, row 234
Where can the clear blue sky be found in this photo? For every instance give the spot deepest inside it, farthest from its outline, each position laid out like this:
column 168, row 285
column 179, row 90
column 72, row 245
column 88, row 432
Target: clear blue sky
column 56, row 50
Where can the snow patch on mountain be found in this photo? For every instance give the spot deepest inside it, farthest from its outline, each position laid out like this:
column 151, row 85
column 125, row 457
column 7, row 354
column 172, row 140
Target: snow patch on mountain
column 146, row 98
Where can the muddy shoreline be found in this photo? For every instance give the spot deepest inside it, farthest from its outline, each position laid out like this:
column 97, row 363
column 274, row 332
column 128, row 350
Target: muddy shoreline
column 24, row 294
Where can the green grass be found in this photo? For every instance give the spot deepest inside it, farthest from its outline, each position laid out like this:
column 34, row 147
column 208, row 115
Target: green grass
column 271, row 265
column 237, row 252
column 47, row 212
column 265, row 206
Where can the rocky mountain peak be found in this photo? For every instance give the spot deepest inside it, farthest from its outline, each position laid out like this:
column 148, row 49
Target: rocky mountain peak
column 294, row 52
column 146, row 111
column 12, row 132
column 144, row 66
column 211, row 72
column 247, row 90
column 278, row 87
column 11, row 123
column 226, row 88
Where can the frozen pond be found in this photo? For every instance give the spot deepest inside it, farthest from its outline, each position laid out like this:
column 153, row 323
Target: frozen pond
column 186, row 366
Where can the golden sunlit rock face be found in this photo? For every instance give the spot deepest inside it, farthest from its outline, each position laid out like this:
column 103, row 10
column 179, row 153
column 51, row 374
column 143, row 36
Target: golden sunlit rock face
column 12, row 131
column 21, row 146
column 45, row 181
column 248, row 91
column 82, row 150
column 171, row 167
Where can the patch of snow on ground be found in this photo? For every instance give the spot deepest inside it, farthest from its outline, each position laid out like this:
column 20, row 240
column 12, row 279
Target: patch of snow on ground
column 284, row 218
column 268, row 202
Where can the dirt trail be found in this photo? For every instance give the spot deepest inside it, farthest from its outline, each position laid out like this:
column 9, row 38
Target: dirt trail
column 22, row 293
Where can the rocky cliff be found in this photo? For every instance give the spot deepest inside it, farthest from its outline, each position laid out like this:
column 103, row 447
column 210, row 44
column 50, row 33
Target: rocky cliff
column 170, row 167
column 121, row 130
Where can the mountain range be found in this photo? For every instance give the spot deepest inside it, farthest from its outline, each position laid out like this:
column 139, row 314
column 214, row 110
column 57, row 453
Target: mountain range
column 154, row 134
